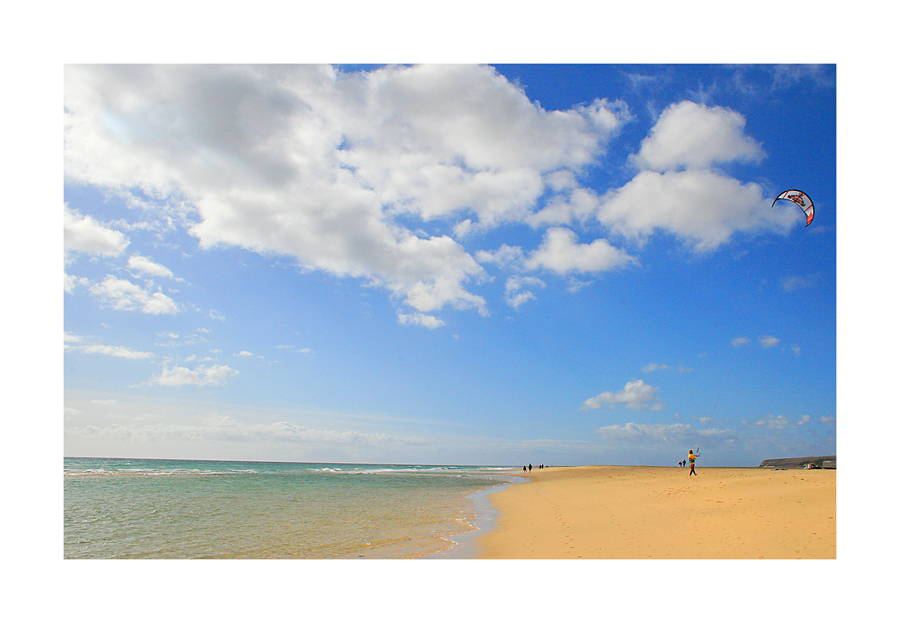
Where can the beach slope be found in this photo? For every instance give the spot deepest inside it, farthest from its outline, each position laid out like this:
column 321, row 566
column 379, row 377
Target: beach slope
column 616, row 512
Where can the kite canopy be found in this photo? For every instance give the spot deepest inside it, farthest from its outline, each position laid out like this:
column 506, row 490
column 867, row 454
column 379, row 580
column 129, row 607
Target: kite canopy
column 802, row 200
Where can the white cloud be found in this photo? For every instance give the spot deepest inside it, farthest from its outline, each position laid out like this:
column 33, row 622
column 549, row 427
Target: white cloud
column 203, row 375
column 739, row 341
column 70, row 282
column 561, row 253
column 116, row 351
column 147, row 266
column 325, row 167
column 701, row 207
column 505, row 256
column 85, row 235
column 419, row 319
column 362, row 174
column 516, row 292
column 577, row 204
column 71, row 337
column 76, row 342
column 678, row 191
column 768, row 341
column 697, row 136
column 124, row 295
column 635, row 395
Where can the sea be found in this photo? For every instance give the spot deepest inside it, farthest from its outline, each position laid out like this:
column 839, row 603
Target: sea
column 181, row 509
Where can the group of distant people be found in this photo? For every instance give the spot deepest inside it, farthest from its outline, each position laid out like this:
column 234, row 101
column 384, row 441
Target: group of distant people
column 691, row 458
column 527, row 468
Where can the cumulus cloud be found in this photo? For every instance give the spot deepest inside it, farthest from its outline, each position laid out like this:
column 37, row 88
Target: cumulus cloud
column 330, row 168
column 86, row 235
column 421, row 320
column 518, row 290
column 696, row 136
column 506, row 256
column 678, row 190
column 202, row 375
column 704, row 208
column 381, row 175
column 560, row 252
column 124, row 295
column 739, row 341
column 70, row 282
column 635, row 395
column 144, row 265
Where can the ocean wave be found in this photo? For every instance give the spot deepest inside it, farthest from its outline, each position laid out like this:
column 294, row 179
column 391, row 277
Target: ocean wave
column 100, row 471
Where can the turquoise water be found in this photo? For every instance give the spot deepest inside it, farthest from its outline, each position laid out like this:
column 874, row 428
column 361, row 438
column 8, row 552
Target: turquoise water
column 142, row 508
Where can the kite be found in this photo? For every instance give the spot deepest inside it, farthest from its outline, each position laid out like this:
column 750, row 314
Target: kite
column 802, row 200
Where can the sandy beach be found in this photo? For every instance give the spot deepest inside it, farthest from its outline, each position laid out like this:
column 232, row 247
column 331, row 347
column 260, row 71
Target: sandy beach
column 616, row 512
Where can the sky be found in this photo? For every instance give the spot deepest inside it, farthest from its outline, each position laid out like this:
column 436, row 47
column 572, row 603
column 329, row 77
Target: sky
column 449, row 264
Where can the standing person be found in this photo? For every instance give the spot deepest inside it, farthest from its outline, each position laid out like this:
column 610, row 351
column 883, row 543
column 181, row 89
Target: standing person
column 693, row 457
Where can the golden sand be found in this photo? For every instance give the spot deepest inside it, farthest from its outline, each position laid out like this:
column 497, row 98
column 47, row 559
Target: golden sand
column 613, row 512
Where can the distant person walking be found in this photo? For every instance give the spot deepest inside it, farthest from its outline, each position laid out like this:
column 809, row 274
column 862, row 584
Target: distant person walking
column 693, row 457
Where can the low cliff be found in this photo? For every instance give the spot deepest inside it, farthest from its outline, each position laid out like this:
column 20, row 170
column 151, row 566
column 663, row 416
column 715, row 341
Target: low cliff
column 800, row 462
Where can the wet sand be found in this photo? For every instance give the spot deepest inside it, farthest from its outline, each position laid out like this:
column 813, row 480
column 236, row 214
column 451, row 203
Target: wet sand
column 615, row 512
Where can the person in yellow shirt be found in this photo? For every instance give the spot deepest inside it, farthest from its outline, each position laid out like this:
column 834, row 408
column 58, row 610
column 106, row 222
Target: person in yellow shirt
column 693, row 457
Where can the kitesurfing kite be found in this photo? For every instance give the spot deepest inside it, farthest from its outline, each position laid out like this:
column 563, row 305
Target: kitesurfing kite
column 802, row 200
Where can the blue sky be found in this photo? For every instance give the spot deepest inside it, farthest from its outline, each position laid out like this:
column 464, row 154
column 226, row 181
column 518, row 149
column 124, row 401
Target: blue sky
column 562, row 264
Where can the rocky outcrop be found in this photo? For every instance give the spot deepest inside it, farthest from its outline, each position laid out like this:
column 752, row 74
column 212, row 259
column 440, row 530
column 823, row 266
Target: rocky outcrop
column 801, row 462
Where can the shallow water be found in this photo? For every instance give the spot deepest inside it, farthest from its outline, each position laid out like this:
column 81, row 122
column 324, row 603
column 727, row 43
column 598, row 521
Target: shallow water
column 121, row 508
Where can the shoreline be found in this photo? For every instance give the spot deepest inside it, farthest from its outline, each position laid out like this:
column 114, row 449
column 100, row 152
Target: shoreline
column 464, row 546
column 642, row 512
